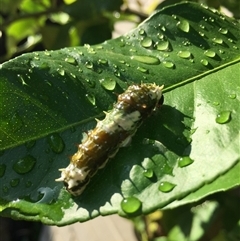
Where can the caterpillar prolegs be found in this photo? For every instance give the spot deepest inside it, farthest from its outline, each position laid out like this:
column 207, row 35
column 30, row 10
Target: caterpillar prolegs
column 114, row 131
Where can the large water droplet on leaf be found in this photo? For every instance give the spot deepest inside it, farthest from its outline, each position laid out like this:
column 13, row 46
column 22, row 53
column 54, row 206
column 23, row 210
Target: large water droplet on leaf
column 166, row 186
column 146, row 59
column 184, row 161
column 223, row 117
column 108, row 83
column 183, row 25
column 56, row 143
column 131, row 205
column 24, row 164
column 146, row 42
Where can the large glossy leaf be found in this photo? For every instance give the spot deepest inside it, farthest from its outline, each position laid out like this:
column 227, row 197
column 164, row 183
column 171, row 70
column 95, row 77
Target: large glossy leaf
column 49, row 98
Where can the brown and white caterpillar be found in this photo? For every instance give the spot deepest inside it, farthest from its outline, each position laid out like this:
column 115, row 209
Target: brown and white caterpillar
column 114, row 131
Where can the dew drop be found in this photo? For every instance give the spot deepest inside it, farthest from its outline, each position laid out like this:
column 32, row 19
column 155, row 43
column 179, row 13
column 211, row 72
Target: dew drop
column 44, row 65
column 160, row 36
column 184, row 54
column 148, row 173
column 24, row 164
column 146, row 42
column 131, row 205
column 166, row 186
column 168, row 64
column 89, row 64
column 103, row 61
column 141, row 32
column 184, row 161
column 73, row 75
column 14, row 182
column 146, row 59
column 91, row 83
column 204, row 62
column 183, row 25
column 223, row 117
column 108, row 83
column 232, row 96
column 71, row 60
column 210, row 53
column 55, row 142
column 61, row 71
column 216, row 103
column 47, row 53
column 91, row 99
column 217, row 40
column 223, row 30
column 2, row 169
column 143, row 70
column 163, row 46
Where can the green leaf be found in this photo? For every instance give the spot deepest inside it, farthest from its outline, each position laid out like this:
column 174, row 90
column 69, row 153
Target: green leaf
column 49, row 98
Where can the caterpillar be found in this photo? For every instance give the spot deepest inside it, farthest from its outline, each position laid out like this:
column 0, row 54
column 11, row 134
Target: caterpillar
column 114, row 131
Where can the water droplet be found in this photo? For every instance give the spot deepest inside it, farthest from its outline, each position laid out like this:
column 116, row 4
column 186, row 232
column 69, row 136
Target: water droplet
column 143, row 70
column 166, row 186
column 24, row 164
column 71, row 60
column 184, row 54
column 44, row 65
column 108, row 83
column 148, row 173
column 91, row 83
column 103, row 61
column 160, row 36
column 56, row 143
column 168, row 64
column 223, row 30
column 91, row 99
column 131, row 205
column 14, row 182
column 183, row 25
column 73, row 75
column 141, row 32
column 61, row 71
column 210, row 53
column 232, row 96
column 163, row 46
column 216, row 103
column 47, row 53
column 89, row 64
column 146, row 59
column 217, row 40
column 146, row 42
column 184, row 161
column 2, row 169
column 223, row 117
column 204, row 62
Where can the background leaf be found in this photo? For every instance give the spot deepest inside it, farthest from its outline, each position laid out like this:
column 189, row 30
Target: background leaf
column 49, row 98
